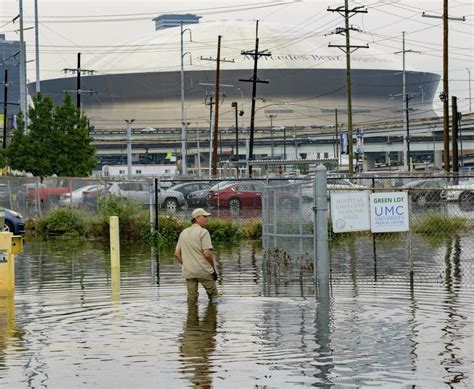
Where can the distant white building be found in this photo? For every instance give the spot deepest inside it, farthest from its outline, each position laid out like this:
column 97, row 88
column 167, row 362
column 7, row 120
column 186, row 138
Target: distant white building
column 139, row 170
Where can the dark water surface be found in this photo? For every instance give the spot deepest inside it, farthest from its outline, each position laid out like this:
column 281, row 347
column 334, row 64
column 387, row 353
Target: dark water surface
column 66, row 329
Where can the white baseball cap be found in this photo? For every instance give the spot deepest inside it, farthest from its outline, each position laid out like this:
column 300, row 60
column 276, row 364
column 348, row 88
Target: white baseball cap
column 199, row 212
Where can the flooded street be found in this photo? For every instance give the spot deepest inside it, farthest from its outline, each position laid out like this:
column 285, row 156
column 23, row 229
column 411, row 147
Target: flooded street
column 66, row 329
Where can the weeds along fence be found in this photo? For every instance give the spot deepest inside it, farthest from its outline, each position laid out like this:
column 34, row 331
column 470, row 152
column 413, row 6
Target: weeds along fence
column 441, row 222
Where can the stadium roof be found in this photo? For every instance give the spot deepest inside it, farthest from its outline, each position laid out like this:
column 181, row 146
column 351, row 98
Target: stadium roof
column 291, row 47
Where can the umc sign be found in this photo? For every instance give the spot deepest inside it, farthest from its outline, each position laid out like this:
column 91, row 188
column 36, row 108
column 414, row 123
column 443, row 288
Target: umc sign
column 389, row 212
column 383, row 212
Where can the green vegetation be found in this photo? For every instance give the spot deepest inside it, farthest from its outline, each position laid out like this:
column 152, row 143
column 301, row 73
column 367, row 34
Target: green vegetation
column 57, row 141
column 62, row 222
column 439, row 224
column 134, row 225
column 251, row 229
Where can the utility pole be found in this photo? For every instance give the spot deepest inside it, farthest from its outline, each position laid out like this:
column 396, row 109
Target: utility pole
column 254, row 80
column 215, row 137
column 337, row 139
column 216, row 111
column 348, row 49
column 129, row 146
column 469, row 86
column 444, row 96
column 454, row 119
column 405, row 98
column 211, row 103
column 236, row 110
column 37, row 62
column 23, row 94
column 183, row 120
column 5, row 105
column 78, row 89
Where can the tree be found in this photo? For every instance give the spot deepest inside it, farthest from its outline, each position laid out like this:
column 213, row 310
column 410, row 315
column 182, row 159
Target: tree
column 57, row 141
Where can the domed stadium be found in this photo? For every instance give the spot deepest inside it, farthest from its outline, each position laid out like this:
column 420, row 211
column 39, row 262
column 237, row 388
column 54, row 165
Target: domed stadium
column 306, row 80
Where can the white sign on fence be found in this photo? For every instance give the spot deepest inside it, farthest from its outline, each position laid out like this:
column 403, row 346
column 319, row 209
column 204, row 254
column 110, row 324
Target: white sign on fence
column 389, row 212
column 350, row 211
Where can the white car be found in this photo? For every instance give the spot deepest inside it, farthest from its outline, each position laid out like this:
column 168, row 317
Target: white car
column 334, row 184
column 73, row 199
column 463, row 192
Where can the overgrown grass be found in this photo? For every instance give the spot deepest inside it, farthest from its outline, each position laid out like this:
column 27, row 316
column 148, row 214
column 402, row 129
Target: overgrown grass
column 439, row 224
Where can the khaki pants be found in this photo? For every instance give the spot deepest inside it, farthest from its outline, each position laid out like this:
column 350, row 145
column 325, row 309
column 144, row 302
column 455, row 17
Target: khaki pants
column 208, row 284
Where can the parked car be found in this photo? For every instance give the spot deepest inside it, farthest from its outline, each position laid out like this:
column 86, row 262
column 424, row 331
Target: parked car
column 462, row 192
column 199, row 198
column 14, row 222
column 425, row 192
column 73, row 199
column 238, row 195
column 136, row 191
column 171, row 199
column 187, row 187
column 90, row 197
column 334, row 184
column 140, row 193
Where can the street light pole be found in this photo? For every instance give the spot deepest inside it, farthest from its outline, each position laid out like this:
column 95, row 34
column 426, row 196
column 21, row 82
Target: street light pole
column 183, row 121
column 129, row 146
column 236, row 109
column 469, row 79
column 271, row 117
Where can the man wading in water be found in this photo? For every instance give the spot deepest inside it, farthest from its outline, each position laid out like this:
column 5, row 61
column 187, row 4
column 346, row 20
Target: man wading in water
column 194, row 252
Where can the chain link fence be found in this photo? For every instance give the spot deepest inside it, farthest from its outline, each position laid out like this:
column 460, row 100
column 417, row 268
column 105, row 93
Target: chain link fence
column 441, row 208
column 441, row 213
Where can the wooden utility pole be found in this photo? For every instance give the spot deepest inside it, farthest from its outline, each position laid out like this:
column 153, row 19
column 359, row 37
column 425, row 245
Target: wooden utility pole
column 444, row 95
column 254, row 80
column 78, row 89
column 215, row 133
column 445, row 87
column 348, row 49
column 5, row 111
column 337, row 139
column 216, row 111
column 454, row 118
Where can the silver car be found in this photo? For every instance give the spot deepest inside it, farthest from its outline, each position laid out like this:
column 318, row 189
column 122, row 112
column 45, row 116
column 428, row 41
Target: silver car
column 140, row 193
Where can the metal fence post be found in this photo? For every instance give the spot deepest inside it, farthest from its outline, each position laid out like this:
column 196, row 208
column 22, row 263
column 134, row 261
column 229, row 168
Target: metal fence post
column 157, row 206
column 321, row 246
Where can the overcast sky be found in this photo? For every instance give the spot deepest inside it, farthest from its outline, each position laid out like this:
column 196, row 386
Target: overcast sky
column 71, row 26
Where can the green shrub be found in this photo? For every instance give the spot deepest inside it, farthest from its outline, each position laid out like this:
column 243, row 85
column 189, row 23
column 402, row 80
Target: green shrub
column 223, row 230
column 62, row 221
column 169, row 228
column 251, row 229
column 134, row 221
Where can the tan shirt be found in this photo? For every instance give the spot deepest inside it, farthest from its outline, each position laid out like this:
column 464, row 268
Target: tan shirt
column 192, row 241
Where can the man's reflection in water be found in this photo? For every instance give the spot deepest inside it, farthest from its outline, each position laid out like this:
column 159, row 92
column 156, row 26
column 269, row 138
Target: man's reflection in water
column 197, row 344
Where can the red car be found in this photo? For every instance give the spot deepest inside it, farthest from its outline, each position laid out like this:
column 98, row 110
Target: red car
column 237, row 195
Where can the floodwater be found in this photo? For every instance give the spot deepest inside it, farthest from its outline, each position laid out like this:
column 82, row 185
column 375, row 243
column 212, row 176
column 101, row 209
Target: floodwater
column 66, row 327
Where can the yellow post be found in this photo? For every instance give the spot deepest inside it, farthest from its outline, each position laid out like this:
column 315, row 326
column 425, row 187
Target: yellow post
column 114, row 242
column 115, row 255
column 7, row 319
column 9, row 246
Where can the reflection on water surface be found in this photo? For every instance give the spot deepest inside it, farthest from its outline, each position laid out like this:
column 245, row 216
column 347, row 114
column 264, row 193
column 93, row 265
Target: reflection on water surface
column 64, row 329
